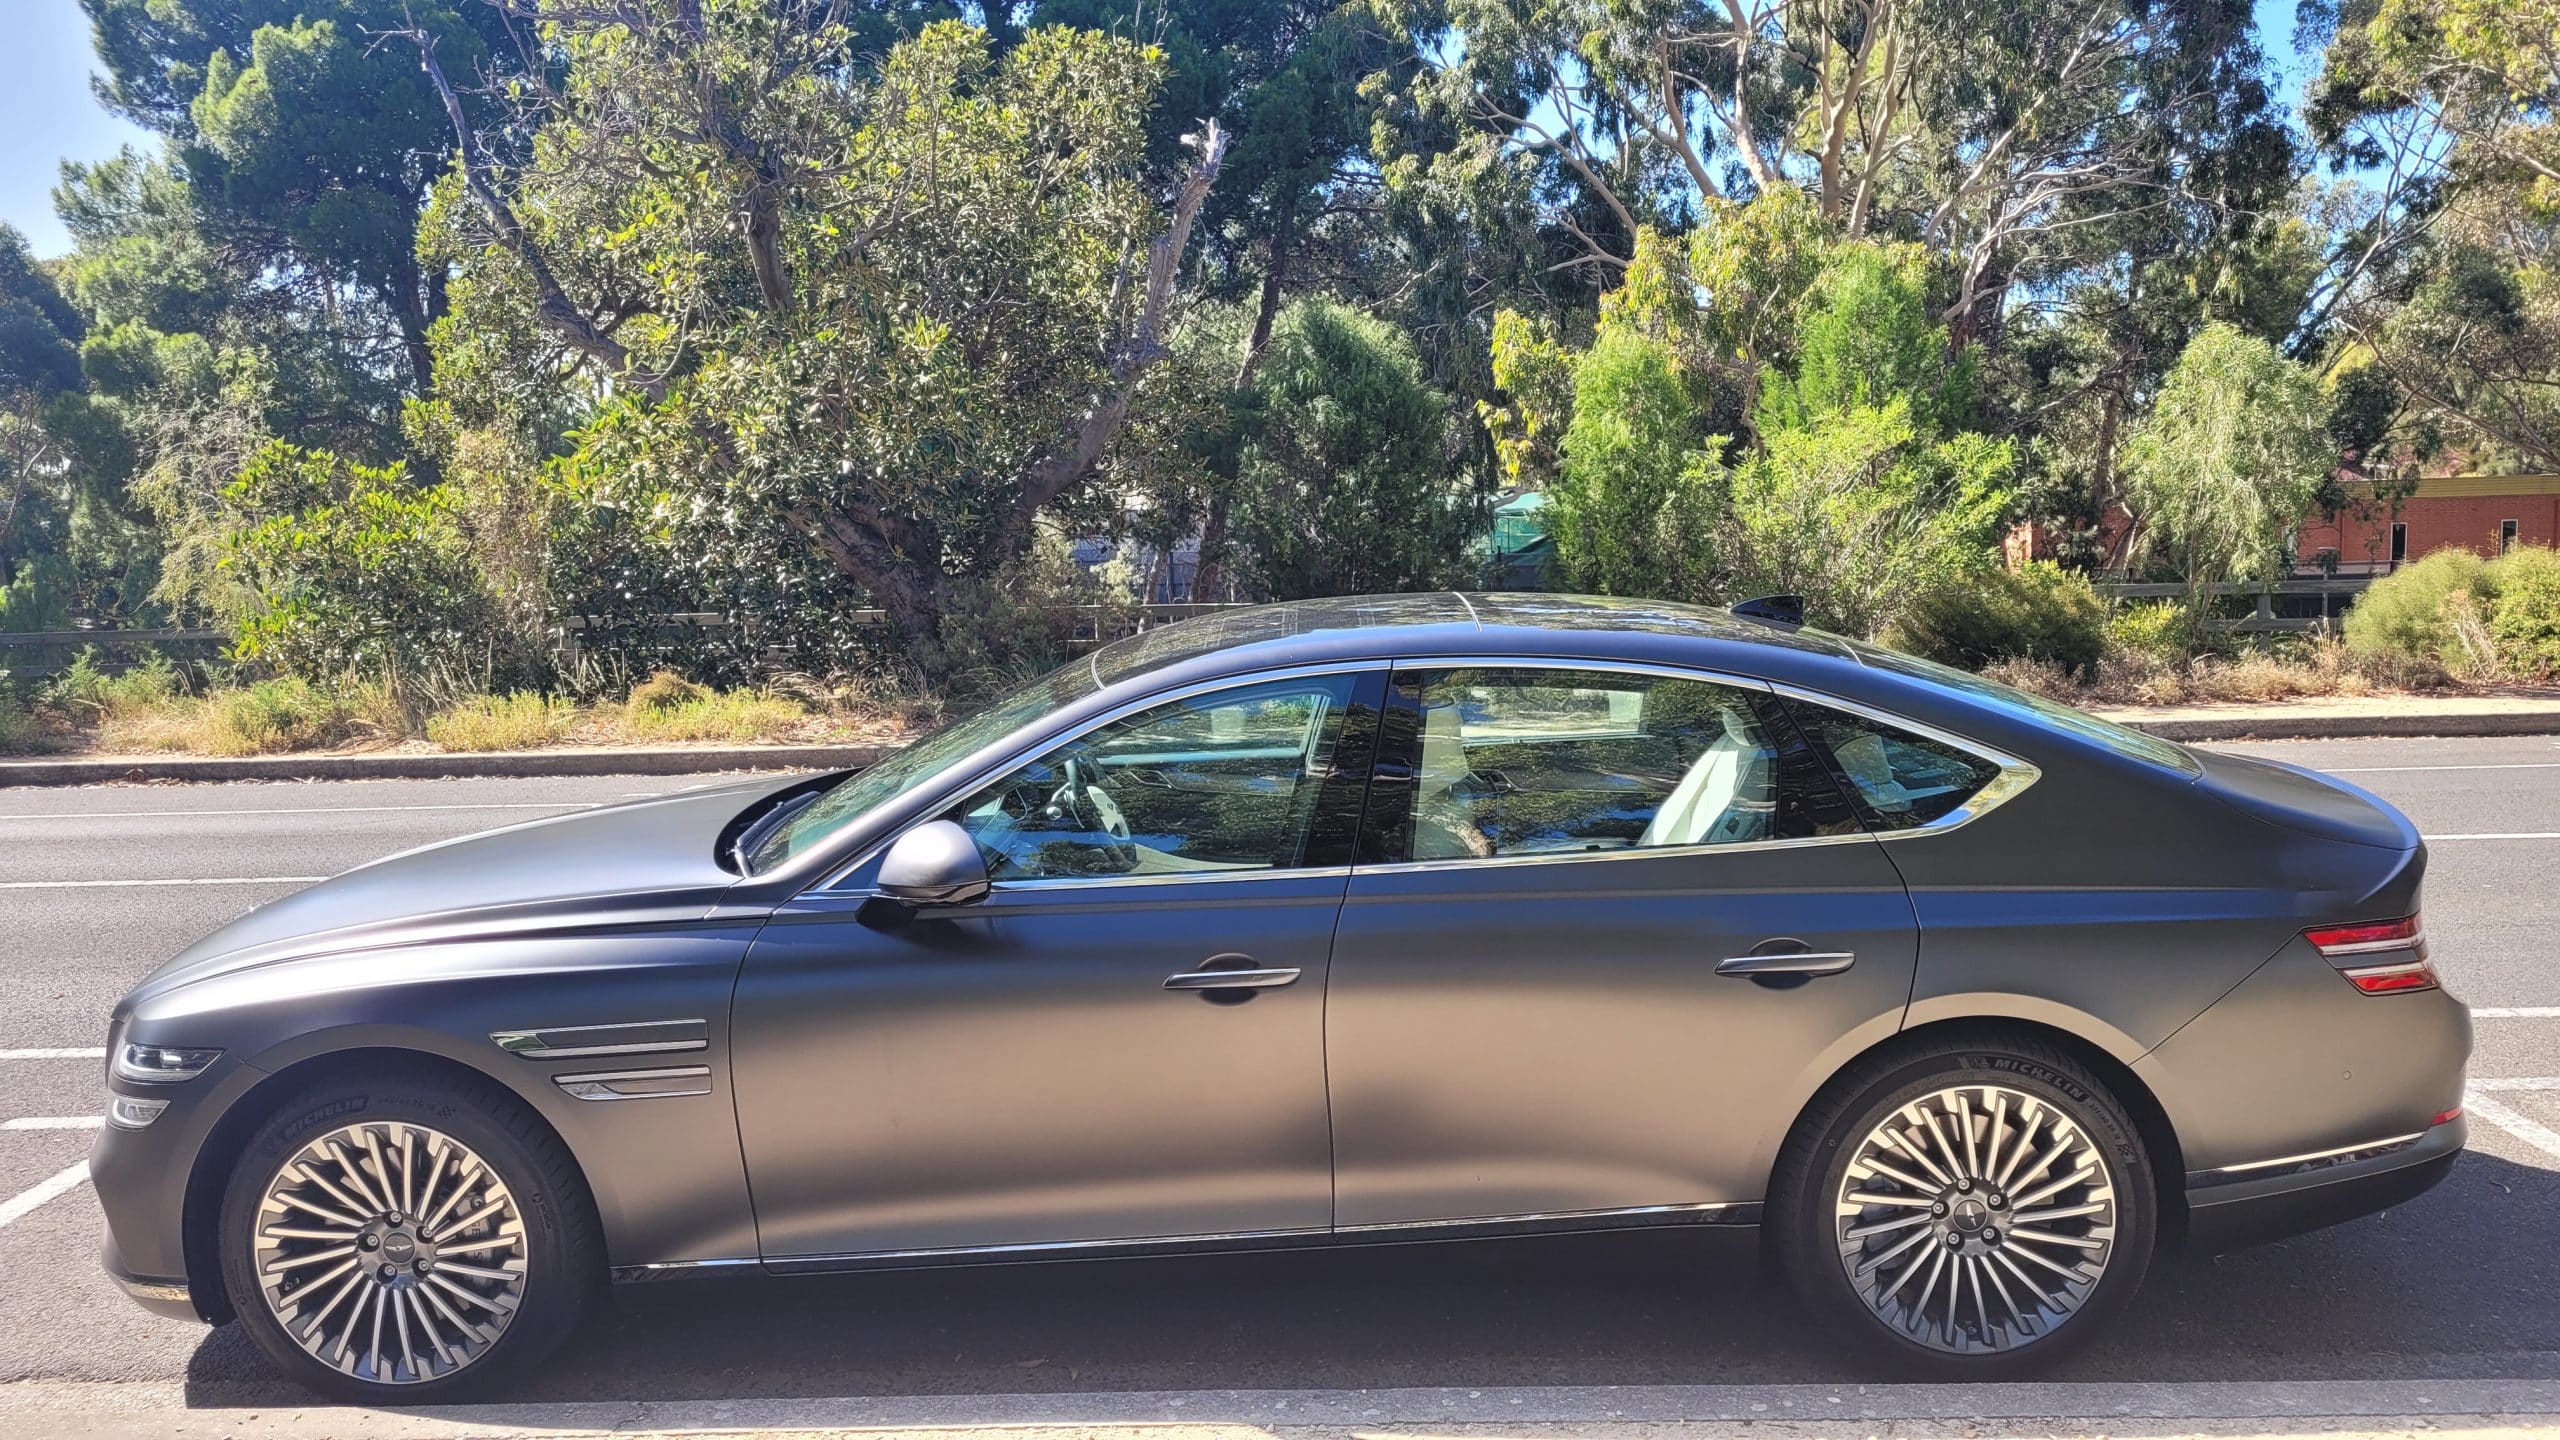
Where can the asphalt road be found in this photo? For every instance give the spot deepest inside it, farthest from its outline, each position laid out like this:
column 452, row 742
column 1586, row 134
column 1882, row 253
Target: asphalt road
column 2459, row 1284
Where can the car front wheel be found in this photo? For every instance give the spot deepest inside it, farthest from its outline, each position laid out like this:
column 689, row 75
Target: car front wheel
column 1970, row 1211
column 406, row 1241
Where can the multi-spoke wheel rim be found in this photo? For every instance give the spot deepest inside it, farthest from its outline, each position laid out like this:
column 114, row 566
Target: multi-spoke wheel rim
column 1976, row 1219
column 390, row 1252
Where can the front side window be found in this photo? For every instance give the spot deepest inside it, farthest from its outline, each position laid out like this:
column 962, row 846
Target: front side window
column 1235, row 780
column 1535, row 761
column 1899, row 781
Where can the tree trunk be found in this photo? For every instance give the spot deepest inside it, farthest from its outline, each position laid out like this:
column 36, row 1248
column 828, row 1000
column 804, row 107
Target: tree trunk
column 1211, row 572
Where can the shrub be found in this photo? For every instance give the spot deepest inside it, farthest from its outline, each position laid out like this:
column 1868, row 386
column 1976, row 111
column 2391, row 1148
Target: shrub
column 2040, row 612
column 2155, row 635
column 19, row 732
column 518, row 721
column 2524, row 619
column 662, row 694
column 88, row 693
column 2415, row 612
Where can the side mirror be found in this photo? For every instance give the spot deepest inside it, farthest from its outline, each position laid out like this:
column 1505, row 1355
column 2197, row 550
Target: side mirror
column 936, row 863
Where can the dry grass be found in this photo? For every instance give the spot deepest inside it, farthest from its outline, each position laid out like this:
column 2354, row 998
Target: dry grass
column 2319, row 667
column 669, row 709
column 519, row 721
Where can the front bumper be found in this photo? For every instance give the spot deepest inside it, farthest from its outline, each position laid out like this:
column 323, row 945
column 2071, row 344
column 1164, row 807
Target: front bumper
column 168, row 1297
column 2227, row 1210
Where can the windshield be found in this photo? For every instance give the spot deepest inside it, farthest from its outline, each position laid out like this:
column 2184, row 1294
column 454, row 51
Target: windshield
column 915, row 765
column 2115, row 737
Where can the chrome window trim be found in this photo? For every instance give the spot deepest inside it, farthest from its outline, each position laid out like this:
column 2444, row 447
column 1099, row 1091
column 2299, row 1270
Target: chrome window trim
column 2015, row 776
column 1178, row 877
column 833, row 880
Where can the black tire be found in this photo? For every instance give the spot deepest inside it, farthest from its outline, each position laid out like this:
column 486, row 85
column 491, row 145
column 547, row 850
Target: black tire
column 561, row 1252
column 1805, row 1222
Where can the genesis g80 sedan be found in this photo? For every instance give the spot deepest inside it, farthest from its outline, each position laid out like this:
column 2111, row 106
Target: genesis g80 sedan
column 1338, row 922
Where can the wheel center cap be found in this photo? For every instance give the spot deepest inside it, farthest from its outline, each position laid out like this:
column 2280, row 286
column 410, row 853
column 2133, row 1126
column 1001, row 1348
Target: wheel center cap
column 400, row 1247
column 1970, row 1215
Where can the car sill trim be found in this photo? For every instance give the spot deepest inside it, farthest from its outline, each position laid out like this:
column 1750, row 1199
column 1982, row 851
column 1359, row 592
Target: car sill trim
column 2316, row 1159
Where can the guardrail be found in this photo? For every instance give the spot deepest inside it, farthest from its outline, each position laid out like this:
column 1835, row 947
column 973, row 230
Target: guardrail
column 2333, row 594
column 53, row 649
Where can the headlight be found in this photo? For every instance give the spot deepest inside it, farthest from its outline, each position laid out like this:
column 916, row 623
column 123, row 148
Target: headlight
column 162, row 1064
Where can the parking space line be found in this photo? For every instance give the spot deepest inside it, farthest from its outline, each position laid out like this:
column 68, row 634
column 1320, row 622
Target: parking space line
column 72, row 1052
column 17, row 1206
column 2498, row 835
column 2515, row 1012
column 54, row 1122
column 2515, row 1082
column 2525, row 1128
column 2408, row 769
column 292, row 810
column 120, row 884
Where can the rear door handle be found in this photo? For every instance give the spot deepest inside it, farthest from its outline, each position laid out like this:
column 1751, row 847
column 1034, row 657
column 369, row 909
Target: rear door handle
column 1788, row 962
column 1259, row 979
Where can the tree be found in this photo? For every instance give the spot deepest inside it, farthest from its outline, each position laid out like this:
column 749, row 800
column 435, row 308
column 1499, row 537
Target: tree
column 886, row 320
column 1639, row 483
column 1345, row 486
column 2227, row 463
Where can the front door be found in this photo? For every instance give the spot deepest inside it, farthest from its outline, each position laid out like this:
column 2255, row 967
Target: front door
column 1081, row 1057
column 1621, row 924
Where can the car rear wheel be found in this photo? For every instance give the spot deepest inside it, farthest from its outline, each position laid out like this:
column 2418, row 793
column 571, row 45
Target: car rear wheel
column 1970, row 1211
column 408, row 1241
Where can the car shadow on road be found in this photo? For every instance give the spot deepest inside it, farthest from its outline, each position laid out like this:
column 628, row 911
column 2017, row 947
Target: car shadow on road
column 2457, row 1283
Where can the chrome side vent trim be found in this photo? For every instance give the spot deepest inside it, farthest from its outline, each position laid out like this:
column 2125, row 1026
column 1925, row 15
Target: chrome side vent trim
column 664, row 1084
column 588, row 1042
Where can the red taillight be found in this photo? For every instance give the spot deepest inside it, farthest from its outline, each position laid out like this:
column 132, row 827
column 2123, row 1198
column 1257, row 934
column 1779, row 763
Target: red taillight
column 2446, row 1118
column 2379, row 957
column 2366, row 938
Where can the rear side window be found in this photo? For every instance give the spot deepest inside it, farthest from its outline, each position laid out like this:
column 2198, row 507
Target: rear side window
column 1898, row 780
column 1543, row 761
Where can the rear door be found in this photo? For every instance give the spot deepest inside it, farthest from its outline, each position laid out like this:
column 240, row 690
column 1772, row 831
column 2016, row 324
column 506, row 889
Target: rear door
column 1610, row 928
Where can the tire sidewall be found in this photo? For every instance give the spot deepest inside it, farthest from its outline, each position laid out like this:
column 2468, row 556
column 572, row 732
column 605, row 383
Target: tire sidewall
column 1815, row 1250
column 557, row 1281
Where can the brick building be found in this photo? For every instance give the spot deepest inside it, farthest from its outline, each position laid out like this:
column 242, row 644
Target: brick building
column 2483, row 513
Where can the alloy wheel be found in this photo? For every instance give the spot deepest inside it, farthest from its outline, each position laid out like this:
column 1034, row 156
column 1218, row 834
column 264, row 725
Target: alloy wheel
column 390, row 1252
column 1976, row 1219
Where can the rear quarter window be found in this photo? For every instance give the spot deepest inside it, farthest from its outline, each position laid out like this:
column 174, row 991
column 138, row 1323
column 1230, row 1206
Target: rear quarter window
column 1896, row 779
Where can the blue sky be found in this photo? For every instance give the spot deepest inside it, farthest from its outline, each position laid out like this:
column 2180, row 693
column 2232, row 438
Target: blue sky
column 47, row 114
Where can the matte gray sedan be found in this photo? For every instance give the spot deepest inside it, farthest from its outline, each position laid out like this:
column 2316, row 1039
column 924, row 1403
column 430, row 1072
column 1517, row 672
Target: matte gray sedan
column 1421, row 917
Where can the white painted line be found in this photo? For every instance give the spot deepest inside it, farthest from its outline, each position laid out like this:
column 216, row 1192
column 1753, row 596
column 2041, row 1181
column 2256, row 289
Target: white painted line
column 2515, row 1012
column 2516, row 1082
column 2405, row 769
column 54, row 1122
column 304, row 810
column 16, row 1206
column 122, row 884
column 157, row 1409
column 2499, row 835
column 94, row 1052
column 2532, row 1132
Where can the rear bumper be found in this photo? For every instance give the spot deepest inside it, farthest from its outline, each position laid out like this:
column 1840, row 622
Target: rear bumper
column 2250, row 1205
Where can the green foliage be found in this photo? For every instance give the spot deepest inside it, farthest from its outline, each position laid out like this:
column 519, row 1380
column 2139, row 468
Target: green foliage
column 1861, row 515
column 90, row 694
column 2227, row 463
column 519, row 720
column 2154, row 635
column 2405, row 612
column 1866, row 337
column 668, row 707
column 1345, row 487
column 345, row 567
column 2524, row 619
column 1633, row 506
column 2039, row 612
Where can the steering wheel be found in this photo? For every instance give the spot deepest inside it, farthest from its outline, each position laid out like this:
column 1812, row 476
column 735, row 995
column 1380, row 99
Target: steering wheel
column 1084, row 798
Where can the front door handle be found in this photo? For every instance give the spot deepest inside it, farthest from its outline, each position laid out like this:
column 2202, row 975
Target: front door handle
column 1788, row 962
column 1257, row 979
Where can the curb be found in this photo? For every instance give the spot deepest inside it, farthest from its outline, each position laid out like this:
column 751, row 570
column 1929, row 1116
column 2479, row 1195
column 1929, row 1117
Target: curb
column 432, row 765
column 2453, row 725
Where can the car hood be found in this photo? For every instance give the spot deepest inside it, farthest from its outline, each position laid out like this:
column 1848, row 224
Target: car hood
column 2304, row 800
column 627, row 864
